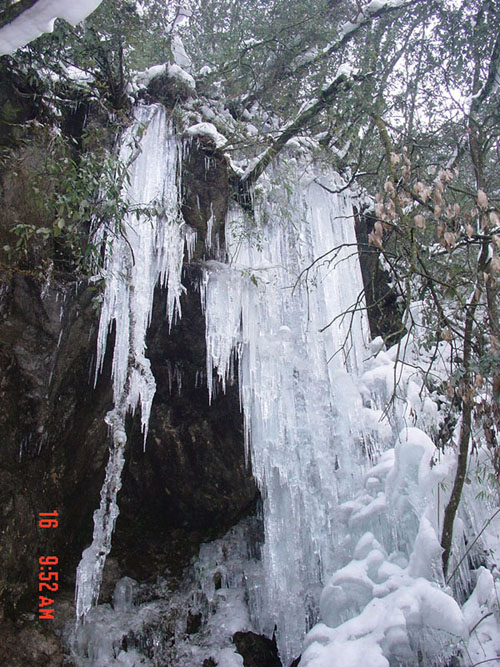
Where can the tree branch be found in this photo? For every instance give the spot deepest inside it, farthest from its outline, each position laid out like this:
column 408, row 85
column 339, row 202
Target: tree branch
column 341, row 83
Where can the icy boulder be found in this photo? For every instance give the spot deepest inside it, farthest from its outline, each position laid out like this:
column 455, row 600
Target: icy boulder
column 351, row 587
column 408, row 483
column 484, row 626
column 416, row 618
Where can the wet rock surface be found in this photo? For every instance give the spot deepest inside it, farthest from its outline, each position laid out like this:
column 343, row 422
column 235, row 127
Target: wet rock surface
column 188, row 485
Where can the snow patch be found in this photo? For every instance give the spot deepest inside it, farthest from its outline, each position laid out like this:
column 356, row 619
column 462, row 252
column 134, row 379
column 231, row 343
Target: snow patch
column 40, row 18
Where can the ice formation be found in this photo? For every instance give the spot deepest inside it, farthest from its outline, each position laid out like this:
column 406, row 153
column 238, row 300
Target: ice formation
column 390, row 604
column 151, row 624
column 353, row 496
column 300, row 405
column 353, row 492
column 148, row 250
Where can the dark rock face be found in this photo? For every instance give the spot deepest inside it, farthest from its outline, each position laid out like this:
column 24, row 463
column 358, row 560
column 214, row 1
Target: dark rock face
column 205, row 194
column 257, row 650
column 190, row 484
column 52, row 433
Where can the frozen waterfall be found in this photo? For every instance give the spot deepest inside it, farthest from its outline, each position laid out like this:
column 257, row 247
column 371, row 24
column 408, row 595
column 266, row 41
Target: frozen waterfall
column 268, row 309
column 352, row 496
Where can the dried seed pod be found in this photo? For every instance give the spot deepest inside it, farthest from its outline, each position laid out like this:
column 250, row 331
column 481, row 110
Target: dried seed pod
column 395, row 158
column 389, row 187
column 419, row 221
column 450, row 239
column 494, row 219
column 482, row 199
column 446, row 335
column 469, row 230
column 373, row 240
column 425, row 193
column 437, row 211
column 391, row 210
column 437, row 196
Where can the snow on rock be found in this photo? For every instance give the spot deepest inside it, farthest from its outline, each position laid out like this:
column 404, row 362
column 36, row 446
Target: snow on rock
column 176, row 72
column 143, row 79
column 389, row 603
column 416, row 616
column 40, row 18
column 483, row 623
column 207, row 130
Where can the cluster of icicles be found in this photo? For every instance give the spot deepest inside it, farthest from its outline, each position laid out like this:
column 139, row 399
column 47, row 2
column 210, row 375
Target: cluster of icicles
column 258, row 315
column 148, row 250
column 282, row 313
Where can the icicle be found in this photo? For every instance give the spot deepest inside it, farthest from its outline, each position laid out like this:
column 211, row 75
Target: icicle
column 300, row 407
column 149, row 250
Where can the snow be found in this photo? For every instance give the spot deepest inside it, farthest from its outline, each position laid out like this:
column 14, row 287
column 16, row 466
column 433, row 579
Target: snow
column 366, row 11
column 346, row 70
column 484, row 625
column 40, row 18
column 377, row 5
column 207, row 130
column 181, row 58
column 143, row 79
column 348, row 27
column 389, row 602
column 176, row 72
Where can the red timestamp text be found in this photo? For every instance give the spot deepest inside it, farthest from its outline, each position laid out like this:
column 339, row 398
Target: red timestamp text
column 48, row 576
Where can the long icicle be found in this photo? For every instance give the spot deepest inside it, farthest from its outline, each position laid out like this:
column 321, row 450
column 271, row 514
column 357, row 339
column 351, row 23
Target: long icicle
column 149, row 250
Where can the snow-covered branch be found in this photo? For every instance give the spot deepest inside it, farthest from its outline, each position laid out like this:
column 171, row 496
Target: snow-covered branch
column 26, row 20
column 343, row 81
